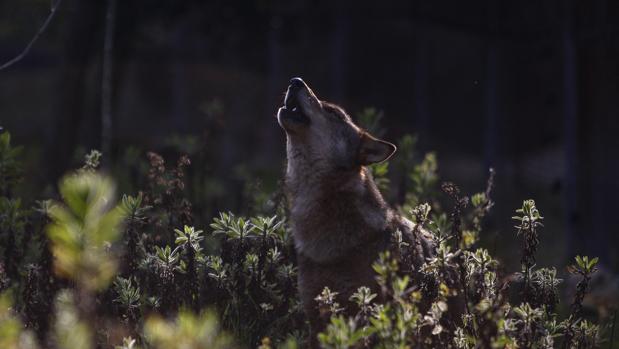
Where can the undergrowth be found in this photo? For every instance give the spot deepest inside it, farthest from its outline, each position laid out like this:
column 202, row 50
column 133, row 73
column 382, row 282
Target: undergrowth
column 93, row 269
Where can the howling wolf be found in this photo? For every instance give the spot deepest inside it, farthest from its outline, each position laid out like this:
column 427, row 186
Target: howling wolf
column 340, row 221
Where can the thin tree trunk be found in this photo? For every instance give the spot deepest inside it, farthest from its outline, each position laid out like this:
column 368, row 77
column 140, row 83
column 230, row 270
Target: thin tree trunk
column 79, row 47
column 276, row 84
column 106, row 82
column 598, row 145
column 570, row 108
column 491, row 138
column 339, row 51
column 421, row 94
column 179, row 81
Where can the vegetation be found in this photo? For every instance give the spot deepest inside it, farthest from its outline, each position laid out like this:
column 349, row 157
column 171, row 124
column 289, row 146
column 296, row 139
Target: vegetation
column 92, row 270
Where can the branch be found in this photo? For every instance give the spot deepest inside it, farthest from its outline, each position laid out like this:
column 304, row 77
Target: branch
column 19, row 57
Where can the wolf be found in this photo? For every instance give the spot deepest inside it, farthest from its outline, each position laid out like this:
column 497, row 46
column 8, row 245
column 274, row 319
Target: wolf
column 339, row 219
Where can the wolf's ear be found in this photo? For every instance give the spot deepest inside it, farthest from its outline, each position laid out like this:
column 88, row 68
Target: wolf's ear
column 373, row 150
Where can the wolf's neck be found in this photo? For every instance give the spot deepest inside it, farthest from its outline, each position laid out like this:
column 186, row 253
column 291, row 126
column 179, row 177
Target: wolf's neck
column 331, row 215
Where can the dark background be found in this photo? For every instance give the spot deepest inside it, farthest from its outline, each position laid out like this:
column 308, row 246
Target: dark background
column 528, row 87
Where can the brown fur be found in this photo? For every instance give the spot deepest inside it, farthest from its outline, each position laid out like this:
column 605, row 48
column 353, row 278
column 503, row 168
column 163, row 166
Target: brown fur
column 339, row 219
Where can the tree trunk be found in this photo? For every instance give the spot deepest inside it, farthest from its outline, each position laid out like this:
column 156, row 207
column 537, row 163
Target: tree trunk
column 107, row 82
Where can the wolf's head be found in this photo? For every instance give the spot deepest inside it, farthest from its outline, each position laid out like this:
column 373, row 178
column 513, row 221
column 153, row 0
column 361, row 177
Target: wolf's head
column 321, row 137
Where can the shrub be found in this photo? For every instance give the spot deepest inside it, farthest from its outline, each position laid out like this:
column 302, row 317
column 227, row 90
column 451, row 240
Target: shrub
column 137, row 273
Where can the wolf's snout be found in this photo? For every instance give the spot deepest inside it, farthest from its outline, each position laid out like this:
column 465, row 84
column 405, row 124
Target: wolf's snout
column 292, row 116
column 296, row 85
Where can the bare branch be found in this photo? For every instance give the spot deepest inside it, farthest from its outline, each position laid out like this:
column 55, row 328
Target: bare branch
column 54, row 7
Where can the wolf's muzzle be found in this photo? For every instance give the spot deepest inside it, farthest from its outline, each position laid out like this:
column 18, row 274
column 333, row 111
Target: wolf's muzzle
column 291, row 111
column 296, row 85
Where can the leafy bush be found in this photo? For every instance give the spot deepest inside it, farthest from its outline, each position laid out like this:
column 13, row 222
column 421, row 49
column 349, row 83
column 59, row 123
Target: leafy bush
column 88, row 270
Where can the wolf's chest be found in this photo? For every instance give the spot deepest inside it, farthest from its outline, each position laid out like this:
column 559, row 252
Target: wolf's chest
column 324, row 243
column 325, row 232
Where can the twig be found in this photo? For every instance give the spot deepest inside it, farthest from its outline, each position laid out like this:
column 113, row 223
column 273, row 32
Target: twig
column 54, row 7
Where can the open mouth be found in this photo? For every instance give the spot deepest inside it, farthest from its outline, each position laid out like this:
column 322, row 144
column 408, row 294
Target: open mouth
column 292, row 110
